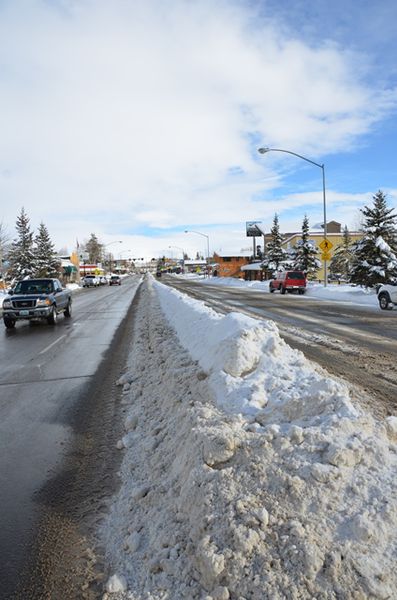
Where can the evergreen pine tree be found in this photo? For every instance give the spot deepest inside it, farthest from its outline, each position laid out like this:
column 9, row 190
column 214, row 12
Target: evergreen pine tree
column 305, row 253
column 375, row 255
column 21, row 256
column 94, row 249
column 275, row 254
column 341, row 262
column 46, row 262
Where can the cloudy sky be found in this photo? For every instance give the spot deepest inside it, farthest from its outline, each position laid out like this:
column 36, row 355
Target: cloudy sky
column 139, row 119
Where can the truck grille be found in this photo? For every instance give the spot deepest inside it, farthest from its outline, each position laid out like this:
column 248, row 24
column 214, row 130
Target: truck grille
column 24, row 303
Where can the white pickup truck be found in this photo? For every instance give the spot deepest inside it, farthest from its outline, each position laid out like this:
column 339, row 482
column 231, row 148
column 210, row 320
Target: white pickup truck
column 387, row 296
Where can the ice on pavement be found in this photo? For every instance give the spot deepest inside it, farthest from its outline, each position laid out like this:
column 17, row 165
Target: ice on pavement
column 248, row 472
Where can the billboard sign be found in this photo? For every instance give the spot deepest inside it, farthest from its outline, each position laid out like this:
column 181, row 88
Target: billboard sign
column 252, row 229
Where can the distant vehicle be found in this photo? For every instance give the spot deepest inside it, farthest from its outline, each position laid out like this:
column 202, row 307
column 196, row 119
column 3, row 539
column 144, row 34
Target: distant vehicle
column 102, row 280
column 158, row 273
column 90, row 281
column 387, row 296
column 115, row 280
column 288, row 281
column 36, row 299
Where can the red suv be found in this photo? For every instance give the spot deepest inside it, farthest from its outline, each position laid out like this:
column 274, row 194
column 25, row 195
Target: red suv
column 289, row 281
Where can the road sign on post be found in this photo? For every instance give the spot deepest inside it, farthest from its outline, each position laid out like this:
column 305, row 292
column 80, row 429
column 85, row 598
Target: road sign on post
column 326, row 245
column 252, row 229
column 326, row 256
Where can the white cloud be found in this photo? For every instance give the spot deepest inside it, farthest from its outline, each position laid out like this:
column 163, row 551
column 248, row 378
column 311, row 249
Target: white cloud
column 128, row 115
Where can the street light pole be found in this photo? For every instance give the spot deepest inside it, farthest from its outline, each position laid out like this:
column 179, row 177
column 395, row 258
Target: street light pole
column 265, row 150
column 110, row 243
column 208, row 244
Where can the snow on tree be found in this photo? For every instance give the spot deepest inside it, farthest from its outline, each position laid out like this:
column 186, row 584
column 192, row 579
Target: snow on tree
column 305, row 253
column 46, row 262
column 275, row 254
column 375, row 255
column 21, row 256
column 94, row 249
column 342, row 260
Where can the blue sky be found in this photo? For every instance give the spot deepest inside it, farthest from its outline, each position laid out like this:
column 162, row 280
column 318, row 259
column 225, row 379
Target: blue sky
column 137, row 120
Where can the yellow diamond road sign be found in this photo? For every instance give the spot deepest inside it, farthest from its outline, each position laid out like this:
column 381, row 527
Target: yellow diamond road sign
column 326, row 245
column 326, row 256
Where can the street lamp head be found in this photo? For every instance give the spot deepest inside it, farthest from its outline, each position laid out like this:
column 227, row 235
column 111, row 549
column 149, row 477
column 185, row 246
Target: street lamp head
column 263, row 150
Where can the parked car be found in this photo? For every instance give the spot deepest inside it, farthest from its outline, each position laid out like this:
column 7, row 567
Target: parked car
column 115, row 280
column 36, row 299
column 102, row 280
column 288, row 281
column 387, row 296
column 90, row 281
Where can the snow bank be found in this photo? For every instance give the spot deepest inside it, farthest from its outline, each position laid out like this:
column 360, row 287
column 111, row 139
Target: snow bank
column 250, row 367
column 286, row 491
column 343, row 293
column 73, row 286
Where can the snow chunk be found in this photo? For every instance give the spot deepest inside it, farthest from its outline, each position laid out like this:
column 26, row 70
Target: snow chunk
column 125, row 379
column 133, row 541
column 116, row 583
column 323, row 473
column 391, row 427
column 218, row 448
column 131, row 422
column 220, row 593
column 209, row 562
column 343, row 456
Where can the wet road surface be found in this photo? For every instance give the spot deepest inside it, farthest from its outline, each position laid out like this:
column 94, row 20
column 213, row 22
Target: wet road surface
column 44, row 372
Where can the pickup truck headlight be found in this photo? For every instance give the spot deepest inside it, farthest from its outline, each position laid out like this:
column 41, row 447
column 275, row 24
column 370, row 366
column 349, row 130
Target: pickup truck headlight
column 43, row 302
column 7, row 304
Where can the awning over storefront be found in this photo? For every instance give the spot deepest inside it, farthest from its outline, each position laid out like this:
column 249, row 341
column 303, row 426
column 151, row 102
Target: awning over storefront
column 69, row 269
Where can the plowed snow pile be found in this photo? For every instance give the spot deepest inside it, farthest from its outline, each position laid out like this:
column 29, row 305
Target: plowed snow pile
column 247, row 471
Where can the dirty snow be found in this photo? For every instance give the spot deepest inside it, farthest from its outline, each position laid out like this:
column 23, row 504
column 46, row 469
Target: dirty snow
column 247, row 471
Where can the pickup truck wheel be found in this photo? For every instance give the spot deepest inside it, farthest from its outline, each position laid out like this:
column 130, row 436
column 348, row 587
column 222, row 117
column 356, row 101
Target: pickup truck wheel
column 384, row 301
column 52, row 319
column 9, row 323
column 68, row 309
column 282, row 290
column 301, row 292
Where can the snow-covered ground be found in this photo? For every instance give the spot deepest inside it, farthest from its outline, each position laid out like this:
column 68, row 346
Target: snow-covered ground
column 248, row 472
column 337, row 293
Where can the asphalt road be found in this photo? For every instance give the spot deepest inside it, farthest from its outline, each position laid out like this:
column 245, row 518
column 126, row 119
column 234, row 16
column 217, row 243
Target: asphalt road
column 356, row 342
column 44, row 373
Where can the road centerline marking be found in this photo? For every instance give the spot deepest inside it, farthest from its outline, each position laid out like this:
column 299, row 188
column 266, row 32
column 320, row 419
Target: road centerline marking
column 53, row 344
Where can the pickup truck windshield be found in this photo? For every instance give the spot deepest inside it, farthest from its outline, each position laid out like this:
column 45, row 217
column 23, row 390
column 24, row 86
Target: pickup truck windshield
column 31, row 286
